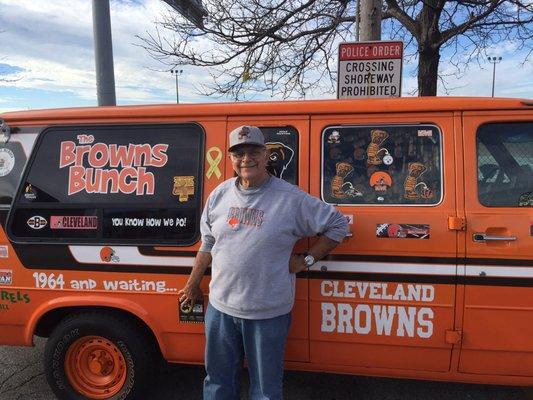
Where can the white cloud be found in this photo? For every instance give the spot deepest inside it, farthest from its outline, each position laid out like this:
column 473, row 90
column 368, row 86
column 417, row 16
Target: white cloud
column 53, row 43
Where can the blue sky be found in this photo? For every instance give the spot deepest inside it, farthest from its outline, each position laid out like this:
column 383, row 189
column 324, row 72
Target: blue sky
column 47, row 58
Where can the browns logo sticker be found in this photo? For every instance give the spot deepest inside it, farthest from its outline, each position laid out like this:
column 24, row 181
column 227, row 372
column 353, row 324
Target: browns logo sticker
column 37, row 222
column 279, row 158
column 380, row 181
column 107, row 254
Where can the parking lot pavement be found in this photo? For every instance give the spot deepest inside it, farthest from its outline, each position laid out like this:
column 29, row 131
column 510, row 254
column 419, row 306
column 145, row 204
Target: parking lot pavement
column 22, row 378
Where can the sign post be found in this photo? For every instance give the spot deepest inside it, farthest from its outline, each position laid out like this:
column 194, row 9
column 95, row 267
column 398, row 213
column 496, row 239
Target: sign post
column 370, row 69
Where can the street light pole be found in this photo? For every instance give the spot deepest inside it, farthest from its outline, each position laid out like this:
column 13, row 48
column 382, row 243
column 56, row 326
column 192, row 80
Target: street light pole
column 177, row 73
column 494, row 61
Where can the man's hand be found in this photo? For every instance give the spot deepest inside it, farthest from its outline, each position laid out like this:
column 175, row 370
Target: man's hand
column 190, row 294
column 297, row 263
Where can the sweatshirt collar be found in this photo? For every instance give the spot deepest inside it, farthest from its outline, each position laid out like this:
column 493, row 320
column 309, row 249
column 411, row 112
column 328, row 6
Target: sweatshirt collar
column 252, row 190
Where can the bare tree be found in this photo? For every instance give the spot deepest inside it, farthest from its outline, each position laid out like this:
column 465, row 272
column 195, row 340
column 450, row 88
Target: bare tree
column 290, row 46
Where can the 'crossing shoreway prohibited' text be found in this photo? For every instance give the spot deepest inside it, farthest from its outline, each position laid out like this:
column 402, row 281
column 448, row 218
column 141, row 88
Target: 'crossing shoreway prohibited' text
column 369, row 69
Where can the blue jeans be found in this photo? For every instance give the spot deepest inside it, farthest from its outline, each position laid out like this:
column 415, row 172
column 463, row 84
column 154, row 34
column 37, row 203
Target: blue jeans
column 229, row 340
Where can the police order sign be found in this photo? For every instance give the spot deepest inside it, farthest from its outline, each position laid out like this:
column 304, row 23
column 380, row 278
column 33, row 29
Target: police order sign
column 369, row 69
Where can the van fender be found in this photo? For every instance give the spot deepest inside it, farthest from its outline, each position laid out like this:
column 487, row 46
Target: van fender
column 93, row 301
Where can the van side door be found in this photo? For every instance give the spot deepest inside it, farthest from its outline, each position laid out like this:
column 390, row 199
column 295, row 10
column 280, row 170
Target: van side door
column 386, row 297
column 498, row 153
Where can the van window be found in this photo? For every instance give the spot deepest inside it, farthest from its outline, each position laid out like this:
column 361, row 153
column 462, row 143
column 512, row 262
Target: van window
column 381, row 164
column 12, row 163
column 112, row 184
column 282, row 147
column 505, row 164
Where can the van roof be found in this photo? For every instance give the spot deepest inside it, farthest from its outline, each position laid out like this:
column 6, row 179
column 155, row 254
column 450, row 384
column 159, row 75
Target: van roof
column 313, row 107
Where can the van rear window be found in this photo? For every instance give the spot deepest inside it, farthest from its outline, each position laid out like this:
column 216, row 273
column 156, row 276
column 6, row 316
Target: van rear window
column 381, row 165
column 113, row 184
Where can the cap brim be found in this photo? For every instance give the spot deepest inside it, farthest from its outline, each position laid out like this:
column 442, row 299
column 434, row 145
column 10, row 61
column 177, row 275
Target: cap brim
column 236, row 146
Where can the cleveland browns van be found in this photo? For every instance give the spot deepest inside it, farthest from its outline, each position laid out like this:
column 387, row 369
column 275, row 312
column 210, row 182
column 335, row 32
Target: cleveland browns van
column 100, row 225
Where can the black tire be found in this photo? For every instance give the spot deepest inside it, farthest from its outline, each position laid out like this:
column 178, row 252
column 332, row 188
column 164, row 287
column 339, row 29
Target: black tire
column 138, row 357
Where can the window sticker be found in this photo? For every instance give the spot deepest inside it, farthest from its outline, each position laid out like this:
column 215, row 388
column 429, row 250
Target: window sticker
column 425, row 133
column 7, row 161
column 73, row 222
column 384, row 165
column 183, row 187
column 37, row 222
column 413, row 189
column 12, row 162
column 279, row 158
column 111, row 168
column 380, row 181
column 30, row 193
column 339, row 188
column 374, row 150
column 282, row 148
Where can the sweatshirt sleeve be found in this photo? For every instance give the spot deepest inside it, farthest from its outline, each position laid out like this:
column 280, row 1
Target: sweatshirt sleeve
column 208, row 240
column 316, row 217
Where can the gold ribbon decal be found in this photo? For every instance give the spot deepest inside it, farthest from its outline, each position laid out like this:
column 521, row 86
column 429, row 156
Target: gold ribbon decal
column 213, row 162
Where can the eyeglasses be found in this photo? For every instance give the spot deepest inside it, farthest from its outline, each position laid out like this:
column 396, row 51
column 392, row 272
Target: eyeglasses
column 239, row 154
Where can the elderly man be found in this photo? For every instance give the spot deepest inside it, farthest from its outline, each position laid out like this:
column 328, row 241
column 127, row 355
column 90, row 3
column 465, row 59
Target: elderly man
column 249, row 227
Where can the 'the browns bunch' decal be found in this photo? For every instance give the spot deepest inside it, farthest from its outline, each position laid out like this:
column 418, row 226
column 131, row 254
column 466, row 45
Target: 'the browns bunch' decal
column 112, row 168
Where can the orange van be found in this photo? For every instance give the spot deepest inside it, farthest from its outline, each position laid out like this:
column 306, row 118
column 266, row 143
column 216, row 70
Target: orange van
column 100, row 225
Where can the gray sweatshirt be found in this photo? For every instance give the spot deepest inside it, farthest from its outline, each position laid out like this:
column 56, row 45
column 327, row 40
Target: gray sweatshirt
column 251, row 234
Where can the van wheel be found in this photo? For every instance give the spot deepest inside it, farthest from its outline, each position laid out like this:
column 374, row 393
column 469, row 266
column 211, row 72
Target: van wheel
column 99, row 356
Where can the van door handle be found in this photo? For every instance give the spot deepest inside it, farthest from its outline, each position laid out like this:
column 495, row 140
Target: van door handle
column 480, row 237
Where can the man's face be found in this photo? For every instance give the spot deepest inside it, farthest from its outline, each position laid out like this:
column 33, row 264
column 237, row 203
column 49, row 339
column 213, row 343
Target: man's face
column 249, row 161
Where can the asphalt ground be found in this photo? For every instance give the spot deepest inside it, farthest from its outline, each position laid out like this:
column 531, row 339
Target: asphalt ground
column 22, row 378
